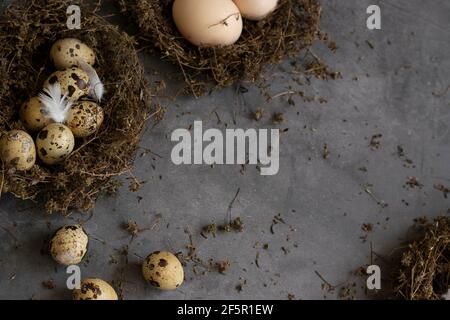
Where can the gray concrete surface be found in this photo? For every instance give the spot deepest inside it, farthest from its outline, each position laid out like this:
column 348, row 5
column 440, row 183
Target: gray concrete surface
column 322, row 200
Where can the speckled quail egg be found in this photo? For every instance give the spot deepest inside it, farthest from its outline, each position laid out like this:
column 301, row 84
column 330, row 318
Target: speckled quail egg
column 55, row 143
column 69, row 245
column 256, row 9
column 73, row 81
column 163, row 270
column 208, row 22
column 66, row 52
column 95, row 289
column 33, row 115
column 85, row 118
column 17, row 150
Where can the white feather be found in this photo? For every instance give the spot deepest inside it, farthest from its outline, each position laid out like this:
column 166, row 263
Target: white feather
column 56, row 105
column 97, row 89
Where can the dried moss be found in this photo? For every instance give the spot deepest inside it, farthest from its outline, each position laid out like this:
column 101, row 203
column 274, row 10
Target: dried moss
column 293, row 27
column 27, row 31
column 425, row 266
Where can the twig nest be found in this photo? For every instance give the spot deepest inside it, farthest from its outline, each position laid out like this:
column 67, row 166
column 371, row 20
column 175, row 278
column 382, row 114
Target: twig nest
column 85, row 118
column 163, row 270
column 284, row 33
column 256, row 9
column 69, row 245
column 74, row 82
column 17, row 150
column 55, row 143
column 424, row 272
column 33, row 115
column 94, row 169
column 208, row 23
column 65, row 53
column 95, row 289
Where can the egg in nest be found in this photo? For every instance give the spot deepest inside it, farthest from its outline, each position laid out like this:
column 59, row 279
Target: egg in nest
column 74, row 82
column 208, row 23
column 65, row 53
column 55, row 143
column 17, row 150
column 85, row 118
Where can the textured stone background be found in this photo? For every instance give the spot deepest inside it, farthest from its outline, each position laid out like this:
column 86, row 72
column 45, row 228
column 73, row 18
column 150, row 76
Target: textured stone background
column 323, row 200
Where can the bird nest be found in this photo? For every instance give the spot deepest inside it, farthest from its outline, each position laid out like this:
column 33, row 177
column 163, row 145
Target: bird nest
column 27, row 31
column 425, row 265
column 293, row 27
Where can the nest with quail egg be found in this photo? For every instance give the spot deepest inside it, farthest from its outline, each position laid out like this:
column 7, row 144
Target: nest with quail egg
column 73, row 105
column 216, row 43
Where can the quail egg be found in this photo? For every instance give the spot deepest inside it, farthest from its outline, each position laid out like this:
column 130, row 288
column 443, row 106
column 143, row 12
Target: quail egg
column 55, row 143
column 66, row 52
column 208, row 22
column 85, row 118
column 95, row 289
column 256, row 9
column 17, row 150
column 73, row 81
column 69, row 245
column 163, row 270
column 33, row 115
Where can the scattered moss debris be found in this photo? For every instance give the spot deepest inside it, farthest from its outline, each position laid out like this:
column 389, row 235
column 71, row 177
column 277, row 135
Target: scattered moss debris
column 286, row 33
column 236, row 225
column 30, row 28
column 445, row 191
column 375, row 142
column 424, row 271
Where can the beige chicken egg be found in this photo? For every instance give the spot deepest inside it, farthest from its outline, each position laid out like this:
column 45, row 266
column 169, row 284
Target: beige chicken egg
column 95, row 289
column 69, row 245
column 163, row 270
column 256, row 9
column 33, row 115
column 73, row 81
column 208, row 22
column 66, row 52
column 55, row 143
column 17, row 150
column 85, row 118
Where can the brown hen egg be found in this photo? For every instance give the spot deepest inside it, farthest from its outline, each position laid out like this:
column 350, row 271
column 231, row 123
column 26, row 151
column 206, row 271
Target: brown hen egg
column 69, row 245
column 256, row 9
column 163, row 270
column 33, row 115
column 208, row 23
column 73, row 81
column 55, row 143
column 95, row 289
column 66, row 52
column 17, row 150
column 85, row 118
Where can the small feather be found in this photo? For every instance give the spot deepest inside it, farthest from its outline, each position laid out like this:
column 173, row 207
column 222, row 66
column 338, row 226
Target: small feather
column 55, row 104
column 97, row 89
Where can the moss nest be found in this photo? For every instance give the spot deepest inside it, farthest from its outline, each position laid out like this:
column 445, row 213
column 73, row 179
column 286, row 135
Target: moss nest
column 425, row 266
column 27, row 31
column 293, row 27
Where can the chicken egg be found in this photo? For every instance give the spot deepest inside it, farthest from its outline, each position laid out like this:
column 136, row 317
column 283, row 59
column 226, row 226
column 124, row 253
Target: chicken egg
column 95, row 289
column 17, row 150
column 73, row 81
column 55, row 143
column 66, row 52
column 256, row 9
column 208, row 22
column 85, row 118
column 33, row 115
column 69, row 245
column 163, row 270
